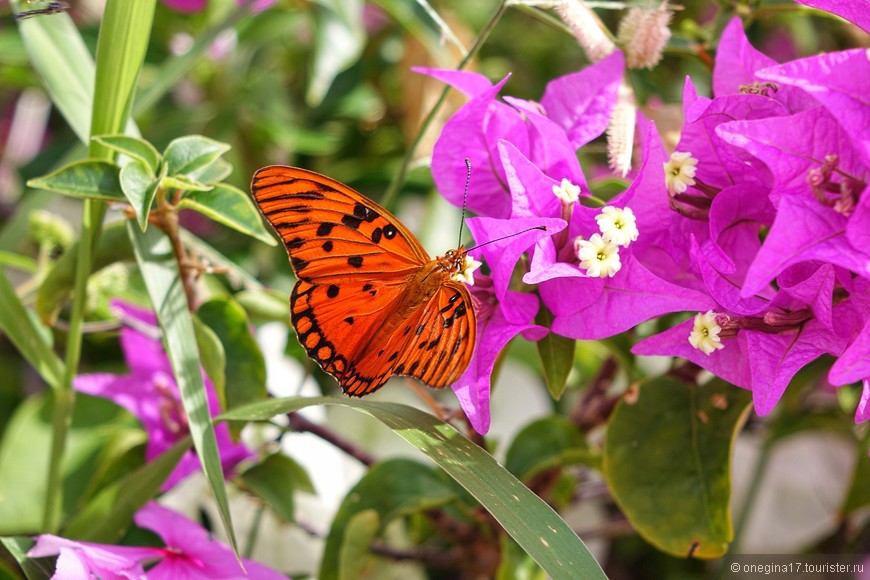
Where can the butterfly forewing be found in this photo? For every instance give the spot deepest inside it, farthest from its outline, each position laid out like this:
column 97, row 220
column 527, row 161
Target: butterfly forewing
column 353, row 260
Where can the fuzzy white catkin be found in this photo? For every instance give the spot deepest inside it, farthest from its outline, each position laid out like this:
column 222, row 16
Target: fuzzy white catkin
column 643, row 34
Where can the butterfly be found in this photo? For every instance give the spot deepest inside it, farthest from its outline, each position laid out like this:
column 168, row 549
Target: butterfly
column 369, row 302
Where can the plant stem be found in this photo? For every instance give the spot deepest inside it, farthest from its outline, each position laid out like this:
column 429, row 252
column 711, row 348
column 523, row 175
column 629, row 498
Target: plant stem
column 253, row 532
column 758, row 471
column 399, row 178
column 64, row 396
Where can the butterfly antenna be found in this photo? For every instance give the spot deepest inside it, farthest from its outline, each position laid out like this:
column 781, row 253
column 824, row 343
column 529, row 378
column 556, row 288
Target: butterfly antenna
column 464, row 198
column 543, row 228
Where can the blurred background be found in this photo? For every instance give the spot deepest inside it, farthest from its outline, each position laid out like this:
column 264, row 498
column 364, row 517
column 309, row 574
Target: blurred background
column 328, row 86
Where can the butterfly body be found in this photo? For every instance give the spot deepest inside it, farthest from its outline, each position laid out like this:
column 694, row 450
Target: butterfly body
column 369, row 302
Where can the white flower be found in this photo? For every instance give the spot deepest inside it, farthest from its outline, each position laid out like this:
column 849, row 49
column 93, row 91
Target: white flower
column 680, row 171
column 705, row 333
column 567, row 192
column 466, row 274
column 599, row 257
column 617, row 225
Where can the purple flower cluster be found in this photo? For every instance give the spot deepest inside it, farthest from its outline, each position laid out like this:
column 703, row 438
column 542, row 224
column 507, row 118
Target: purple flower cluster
column 759, row 222
column 149, row 393
column 189, row 552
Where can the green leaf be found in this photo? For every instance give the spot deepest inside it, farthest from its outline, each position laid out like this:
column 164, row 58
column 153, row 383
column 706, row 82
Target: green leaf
column 17, row 261
column 113, row 246
column 859, row 489
column 133, row 147
column 88, row 179
column 185, row 183
column 108, row 515
column 213, row 358
column 543, row 444
column 265, row 305
column 217, row 171
column 389, row 489
column 667, row 462
column 245, row 367
column 121, row 46
column 65, row 65
column 41, row 568
column 140, row 187
column 355, row 557
column 557, row 356
column 20, row 327
column 231, row 207
column 192, row 153
column 516, row 564
column 160, row 272
column 339, row 38
column 275, row 481
column 24, row 452
column 525, row 516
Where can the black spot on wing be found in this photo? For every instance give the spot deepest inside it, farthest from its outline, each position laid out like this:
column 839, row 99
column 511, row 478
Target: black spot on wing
column 327, row 246
column 376, row 235
column 295, row 243
column 364, row 213
column 332, row 291
column 325, row 228
column 350, row 221
column 390, row 231
column 355, row 261
column 298, row 263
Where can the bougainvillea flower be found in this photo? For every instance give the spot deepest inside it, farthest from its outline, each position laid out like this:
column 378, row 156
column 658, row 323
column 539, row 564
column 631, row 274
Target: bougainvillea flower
column 761, row 359
column 840, row 81
column 854, row 364
column 498, row 321
column 590, row 307
column 189, row 552
column 857, row 13
column 574, row 110
column 150, row 393
column 581, row 102
column 736, row 72
column 472, row 133
column 821, row 213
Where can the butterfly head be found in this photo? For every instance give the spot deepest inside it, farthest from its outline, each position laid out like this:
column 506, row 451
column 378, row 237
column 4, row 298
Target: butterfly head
column 460, row 265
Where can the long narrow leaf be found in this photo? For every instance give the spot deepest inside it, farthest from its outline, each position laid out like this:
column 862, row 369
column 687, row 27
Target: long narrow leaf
column 160, row 272
column 22, row 330
column 59, row 55
column 525, row 516
column 108, row 515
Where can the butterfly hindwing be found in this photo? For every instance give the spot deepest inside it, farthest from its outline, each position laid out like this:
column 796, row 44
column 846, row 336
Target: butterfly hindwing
column 434, row 345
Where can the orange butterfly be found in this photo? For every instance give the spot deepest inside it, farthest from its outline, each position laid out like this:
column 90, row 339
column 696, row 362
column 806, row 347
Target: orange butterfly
column 369, row 302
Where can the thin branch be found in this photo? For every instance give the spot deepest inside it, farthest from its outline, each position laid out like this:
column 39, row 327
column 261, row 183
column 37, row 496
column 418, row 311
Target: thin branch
column 434, row 557
column 399, row 179
column 302, row 425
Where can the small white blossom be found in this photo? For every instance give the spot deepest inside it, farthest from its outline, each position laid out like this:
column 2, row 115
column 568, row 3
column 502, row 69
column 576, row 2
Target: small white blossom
column 466, row 274
column 567, row 192
column 617, row 225
column 705, row 333
column 599, row 257
column 680, row 172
